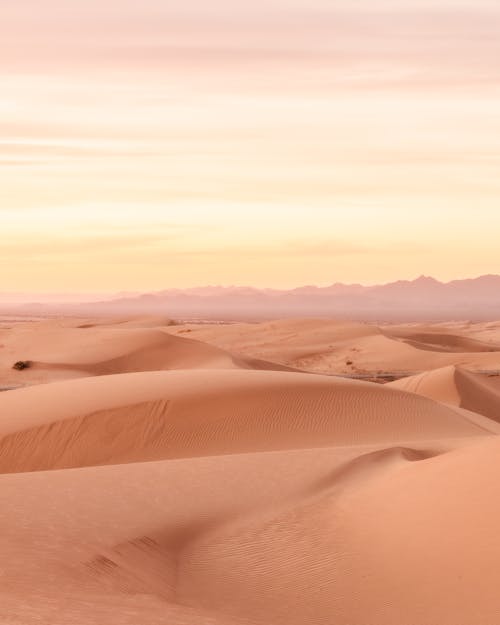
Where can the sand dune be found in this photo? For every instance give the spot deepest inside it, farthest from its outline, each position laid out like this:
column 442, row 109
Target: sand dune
column 455, row 386
column 152, row 416
column 380, row 548
column 286, row 341
column 332, row 533
column 70, row 348
column 488, row 332
column 325, row 346
column 433, row 340
column 66, row 349
column 224, row 493
column 147, row 321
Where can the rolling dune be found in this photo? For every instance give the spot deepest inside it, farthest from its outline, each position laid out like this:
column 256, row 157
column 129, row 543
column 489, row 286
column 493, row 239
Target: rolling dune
column 221, row 492
column 153, row 416
column 333, row 347
column 215, row 539
column 66, row 349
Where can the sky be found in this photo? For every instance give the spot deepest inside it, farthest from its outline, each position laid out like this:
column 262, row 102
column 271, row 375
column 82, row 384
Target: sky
column 153, row 144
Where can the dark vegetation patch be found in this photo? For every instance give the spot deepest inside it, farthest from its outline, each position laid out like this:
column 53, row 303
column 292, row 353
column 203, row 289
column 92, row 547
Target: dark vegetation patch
column 20, row 365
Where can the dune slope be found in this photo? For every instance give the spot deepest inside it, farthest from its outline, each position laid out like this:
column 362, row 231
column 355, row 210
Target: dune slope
column 476, row 392
column 334, row 533
column 151, row 416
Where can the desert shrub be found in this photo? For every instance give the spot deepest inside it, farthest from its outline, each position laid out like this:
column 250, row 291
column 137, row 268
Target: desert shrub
column 21, row 364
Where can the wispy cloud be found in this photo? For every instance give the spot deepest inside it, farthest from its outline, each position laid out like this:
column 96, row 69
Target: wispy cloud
column 247, row 142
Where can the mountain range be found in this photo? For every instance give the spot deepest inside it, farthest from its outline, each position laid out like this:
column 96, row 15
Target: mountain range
column 422, row 299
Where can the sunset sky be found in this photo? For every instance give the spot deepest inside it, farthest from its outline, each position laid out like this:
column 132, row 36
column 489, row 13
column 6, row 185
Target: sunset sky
column 153, row 144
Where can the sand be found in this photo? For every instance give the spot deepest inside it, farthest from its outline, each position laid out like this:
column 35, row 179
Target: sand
column 478, row 392
column 329, row 346
column 72, row 348
column 212, row 489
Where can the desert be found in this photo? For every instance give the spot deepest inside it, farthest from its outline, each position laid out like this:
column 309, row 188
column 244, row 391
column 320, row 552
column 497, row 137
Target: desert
column 249, row 312
column 154, row 471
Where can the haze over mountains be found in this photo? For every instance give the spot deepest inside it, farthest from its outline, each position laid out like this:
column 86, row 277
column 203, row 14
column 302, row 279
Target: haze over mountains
column 422, row 299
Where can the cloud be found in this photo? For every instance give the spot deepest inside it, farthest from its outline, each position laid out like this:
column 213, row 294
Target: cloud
column 254, row 127
column 66, row 247
column 399, row 43
column 311, row 249
column 30, row 153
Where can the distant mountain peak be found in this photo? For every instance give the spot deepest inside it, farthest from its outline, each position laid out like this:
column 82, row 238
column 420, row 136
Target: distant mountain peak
column 423, row 279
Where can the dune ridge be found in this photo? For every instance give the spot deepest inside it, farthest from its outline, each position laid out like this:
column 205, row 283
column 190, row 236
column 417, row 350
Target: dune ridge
column 151, row 416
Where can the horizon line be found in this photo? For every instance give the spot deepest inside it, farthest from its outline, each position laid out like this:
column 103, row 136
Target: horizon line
column 135, row 292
